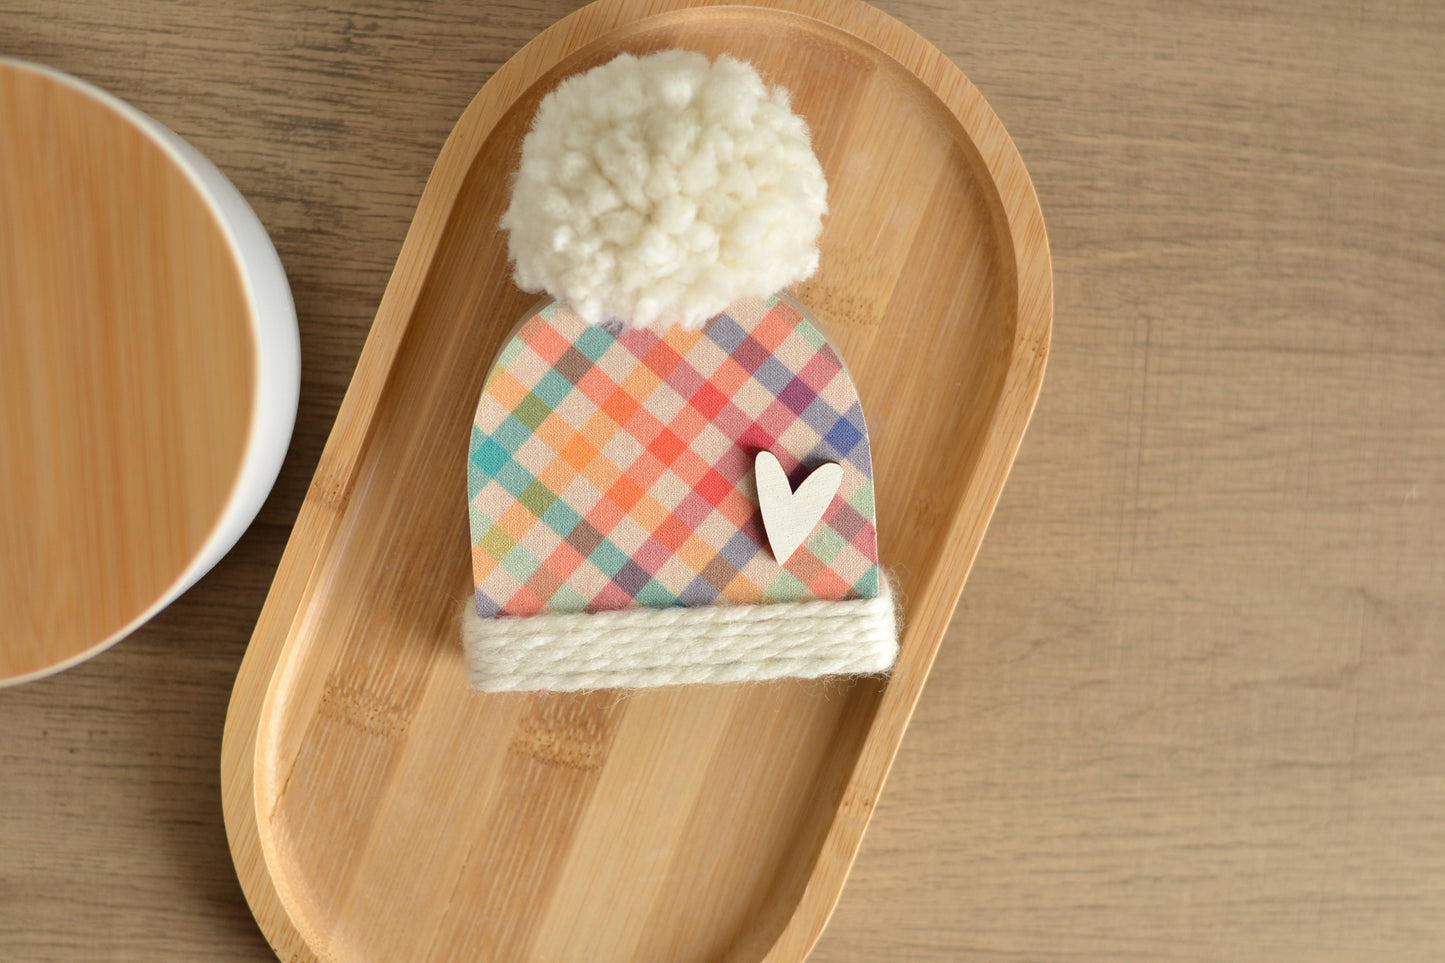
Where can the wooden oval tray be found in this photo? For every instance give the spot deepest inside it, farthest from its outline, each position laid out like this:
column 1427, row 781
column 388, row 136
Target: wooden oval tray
column 403, row 816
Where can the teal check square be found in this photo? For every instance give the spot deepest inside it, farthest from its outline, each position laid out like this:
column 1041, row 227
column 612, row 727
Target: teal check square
column 521, row 563
column 514, row 478
column 489, row 456
column 812, row 335
column 608, row 558
column 508, row 354
column 566, row 599
column 826, row 543
column 786, row 588
column 552, row 388
column 654, row 596
column 511, row 434
column 862, row 499
column 594, row 342
column 560, row 518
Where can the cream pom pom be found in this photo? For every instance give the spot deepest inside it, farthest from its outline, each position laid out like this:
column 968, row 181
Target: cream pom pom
column 656, row 190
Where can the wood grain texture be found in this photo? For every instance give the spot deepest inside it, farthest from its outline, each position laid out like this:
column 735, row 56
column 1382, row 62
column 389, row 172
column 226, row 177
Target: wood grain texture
column 403, row 816
column 126, row 371
column 1190, row 705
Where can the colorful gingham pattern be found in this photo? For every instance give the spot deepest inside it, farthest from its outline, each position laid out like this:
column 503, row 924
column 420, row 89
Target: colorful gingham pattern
column 615, row 470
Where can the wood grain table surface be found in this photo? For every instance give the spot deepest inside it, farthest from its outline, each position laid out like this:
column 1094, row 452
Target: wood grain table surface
column 1192, row 706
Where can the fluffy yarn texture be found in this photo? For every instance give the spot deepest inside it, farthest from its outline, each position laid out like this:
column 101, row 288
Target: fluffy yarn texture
column 656, row 190
column 631, row 648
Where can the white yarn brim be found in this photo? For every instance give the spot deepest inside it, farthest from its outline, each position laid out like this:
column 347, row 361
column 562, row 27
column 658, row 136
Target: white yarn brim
column 631, row 648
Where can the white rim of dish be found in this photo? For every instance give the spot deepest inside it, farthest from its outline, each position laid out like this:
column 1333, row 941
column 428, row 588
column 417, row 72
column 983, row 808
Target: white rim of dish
column 276, row 384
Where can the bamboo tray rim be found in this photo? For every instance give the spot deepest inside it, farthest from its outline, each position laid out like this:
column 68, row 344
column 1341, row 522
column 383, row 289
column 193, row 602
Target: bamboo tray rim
column 331, row 488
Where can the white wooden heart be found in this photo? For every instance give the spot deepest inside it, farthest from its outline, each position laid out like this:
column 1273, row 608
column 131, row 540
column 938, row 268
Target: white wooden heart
column 789, row 517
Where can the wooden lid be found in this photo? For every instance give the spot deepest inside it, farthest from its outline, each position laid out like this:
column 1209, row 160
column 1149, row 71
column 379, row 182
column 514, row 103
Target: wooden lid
column 126, row 371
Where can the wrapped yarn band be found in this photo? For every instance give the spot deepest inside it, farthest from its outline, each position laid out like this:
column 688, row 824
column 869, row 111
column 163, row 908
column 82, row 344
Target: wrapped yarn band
column 636, row 647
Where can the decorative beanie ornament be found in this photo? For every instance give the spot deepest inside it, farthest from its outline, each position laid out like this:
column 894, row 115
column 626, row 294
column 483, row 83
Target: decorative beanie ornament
column 670, row 476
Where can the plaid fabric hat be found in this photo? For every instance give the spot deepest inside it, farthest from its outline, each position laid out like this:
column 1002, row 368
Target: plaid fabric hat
column 677, row 501
column 617, row 534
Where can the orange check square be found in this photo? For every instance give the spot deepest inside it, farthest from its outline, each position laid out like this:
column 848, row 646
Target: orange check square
column 600, row 429
column 625, row 493
column 641, row 381
column 579, row 453
column 696, row 552
column 729, row 377
column 557, row 475
column 506, row 389
column 621, row 405
column 555, row 431
column 517, row 521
